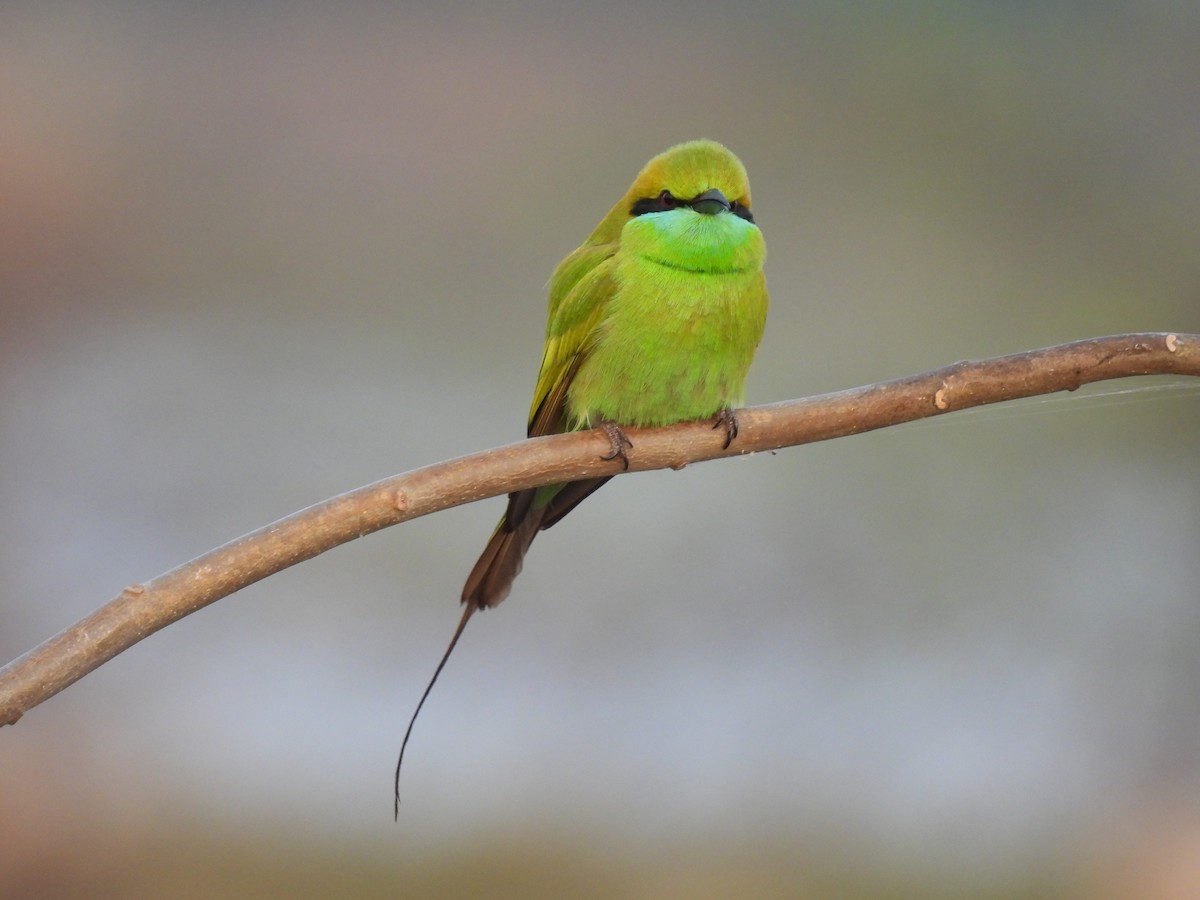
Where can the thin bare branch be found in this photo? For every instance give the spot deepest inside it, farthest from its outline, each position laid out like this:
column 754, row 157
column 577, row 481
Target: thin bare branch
column 142, row 609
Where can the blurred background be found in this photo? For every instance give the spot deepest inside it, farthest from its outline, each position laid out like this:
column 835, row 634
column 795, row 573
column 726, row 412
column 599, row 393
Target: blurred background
column 253, row 255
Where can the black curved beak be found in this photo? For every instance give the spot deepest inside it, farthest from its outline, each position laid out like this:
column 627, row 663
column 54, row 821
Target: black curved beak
column 709, row 203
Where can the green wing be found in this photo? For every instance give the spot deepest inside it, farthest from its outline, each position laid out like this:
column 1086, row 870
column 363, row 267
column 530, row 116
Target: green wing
column 579, row 293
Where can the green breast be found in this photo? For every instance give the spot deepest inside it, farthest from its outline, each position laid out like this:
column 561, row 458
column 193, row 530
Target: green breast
column 674, row 345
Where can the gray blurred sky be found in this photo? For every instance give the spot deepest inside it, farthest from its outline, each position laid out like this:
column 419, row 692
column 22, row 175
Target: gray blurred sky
column 255, row 255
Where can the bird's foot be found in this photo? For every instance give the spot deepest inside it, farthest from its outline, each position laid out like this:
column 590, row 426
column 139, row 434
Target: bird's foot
column 727, row 419
column 618, row 441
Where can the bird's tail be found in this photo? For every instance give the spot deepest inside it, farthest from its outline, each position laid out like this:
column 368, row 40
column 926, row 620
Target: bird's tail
column 532, row 511
column 492, row 577
column 488, row 584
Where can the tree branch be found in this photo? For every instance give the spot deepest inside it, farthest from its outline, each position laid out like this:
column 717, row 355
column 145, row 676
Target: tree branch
column 142, row 609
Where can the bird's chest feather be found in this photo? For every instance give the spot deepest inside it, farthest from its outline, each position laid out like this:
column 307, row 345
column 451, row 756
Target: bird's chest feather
column 673, row 345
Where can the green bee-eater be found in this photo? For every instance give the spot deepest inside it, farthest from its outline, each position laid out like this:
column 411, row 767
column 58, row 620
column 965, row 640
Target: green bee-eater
column 653, row 320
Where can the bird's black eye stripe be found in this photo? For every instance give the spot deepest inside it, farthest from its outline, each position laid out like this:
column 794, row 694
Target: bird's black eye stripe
column 646, row 205
column 661, row 203
column 666, row 201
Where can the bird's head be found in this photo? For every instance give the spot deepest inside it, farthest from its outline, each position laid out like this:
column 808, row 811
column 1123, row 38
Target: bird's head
column 699, row 175
column 689, row 208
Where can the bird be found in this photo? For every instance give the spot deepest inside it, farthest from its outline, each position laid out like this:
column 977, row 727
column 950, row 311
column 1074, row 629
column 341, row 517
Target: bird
column 653, row 320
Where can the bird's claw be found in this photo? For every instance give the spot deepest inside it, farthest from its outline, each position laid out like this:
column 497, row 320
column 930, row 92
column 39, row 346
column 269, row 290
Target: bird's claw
column 618, row 442
column 727, row 418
